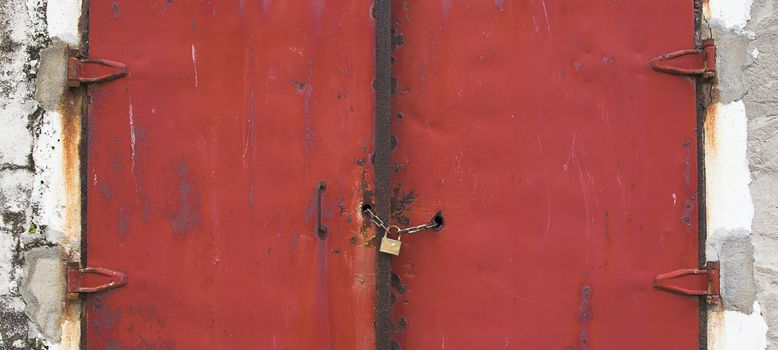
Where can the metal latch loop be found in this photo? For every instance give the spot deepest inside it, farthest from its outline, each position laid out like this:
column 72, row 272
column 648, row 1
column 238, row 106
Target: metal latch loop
column 76, row 277
column 695, row 282
column 93, row 70
column 704, row 66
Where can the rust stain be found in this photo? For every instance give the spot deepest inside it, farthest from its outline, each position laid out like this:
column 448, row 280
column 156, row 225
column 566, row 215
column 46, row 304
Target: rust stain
column 706, row 8
column 71, row 326
column 70, row 122
column 710, row 129
column 367, row 232
column 715, row 327
column 71, row 111
column 402, row 202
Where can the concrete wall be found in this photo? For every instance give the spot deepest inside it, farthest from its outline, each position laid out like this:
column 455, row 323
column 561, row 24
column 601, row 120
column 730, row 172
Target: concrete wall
column 40, row 196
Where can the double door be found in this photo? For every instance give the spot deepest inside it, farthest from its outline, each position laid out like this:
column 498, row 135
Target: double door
column 228, row 172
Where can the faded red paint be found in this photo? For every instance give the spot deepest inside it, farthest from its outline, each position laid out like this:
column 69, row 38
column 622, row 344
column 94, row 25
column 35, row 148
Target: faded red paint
column 202, row 171
column 565, row 167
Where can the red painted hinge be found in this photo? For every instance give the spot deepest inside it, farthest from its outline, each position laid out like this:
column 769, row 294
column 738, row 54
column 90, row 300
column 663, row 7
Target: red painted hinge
column 82, row 70
column 694, row 282
column 76, row 279
column 692, row 62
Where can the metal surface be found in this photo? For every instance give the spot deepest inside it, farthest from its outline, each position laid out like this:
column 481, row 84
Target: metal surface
column 90, row 71
column 382, row 161
column 321, row 229
column 702, row 61
column 202, row 172
column 694, row 282
column 434, row 224
column 389, row 245
column 565, row 166
column 77, row 279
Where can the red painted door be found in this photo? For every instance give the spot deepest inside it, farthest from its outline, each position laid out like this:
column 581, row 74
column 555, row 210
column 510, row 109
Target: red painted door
column 565, row 168
column 203, row 167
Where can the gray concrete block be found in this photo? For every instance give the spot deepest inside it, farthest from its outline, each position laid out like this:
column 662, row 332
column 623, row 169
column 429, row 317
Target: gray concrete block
column 43, row 289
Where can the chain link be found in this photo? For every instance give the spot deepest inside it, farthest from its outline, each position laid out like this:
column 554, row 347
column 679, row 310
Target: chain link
column 418, row 228
column 408, row 230
column 375, row 219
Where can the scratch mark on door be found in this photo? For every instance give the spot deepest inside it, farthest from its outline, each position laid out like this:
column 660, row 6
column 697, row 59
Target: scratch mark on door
column 194, row 64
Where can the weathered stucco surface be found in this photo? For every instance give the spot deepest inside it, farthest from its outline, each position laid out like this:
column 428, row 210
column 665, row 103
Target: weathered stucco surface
column 40, row 196
column 742, row 173
column 39, row 189
column 761, row 100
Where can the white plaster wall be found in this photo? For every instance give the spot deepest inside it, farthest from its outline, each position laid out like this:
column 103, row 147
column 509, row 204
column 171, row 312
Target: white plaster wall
column 734, row 330
column 730, row 208
column 733, row 14
column 33, row 177
column 62, row 20
column 730, row 211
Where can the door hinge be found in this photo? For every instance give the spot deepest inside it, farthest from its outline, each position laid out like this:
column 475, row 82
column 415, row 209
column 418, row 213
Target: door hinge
column 691, row 62
column 695, row 282
column 84, row 70
column 102, row 279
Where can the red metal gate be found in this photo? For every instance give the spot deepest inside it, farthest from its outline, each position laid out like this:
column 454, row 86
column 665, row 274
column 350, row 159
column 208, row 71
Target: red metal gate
column 226, row 171
column 565, row 168
column 203, row 172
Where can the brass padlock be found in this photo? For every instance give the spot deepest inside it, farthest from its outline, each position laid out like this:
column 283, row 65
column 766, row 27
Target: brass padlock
column 391, row 246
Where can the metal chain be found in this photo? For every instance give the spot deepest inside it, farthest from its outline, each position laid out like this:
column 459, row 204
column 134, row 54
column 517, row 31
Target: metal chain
column 418, row 228
column 408, row 230
column 375, row 219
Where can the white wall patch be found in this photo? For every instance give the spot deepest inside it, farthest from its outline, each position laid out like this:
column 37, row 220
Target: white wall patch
column 62, row 17
column 735, row 330
column 730, row 13
column 727, row 176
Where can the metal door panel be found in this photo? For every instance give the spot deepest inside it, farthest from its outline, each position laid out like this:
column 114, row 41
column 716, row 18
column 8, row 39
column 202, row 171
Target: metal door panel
column 565, row 168
column 203, row 165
